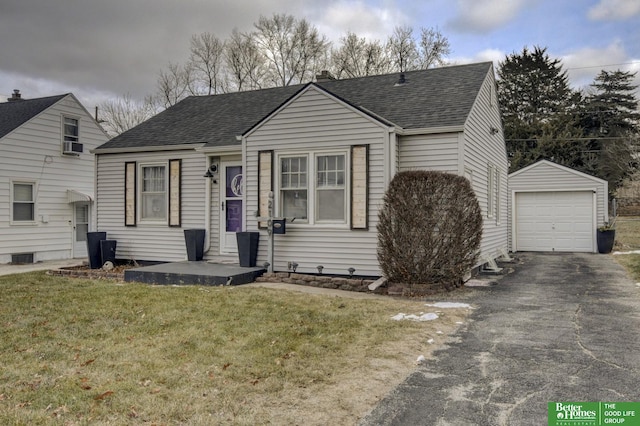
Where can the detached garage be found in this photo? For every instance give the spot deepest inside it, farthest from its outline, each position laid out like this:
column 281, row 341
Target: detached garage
column 555, row 208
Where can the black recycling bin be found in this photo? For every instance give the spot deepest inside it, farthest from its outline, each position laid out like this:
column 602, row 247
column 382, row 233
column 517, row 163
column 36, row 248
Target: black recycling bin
column 93, row 248
column 194, row 239
column 247, row 248
column 108, row 251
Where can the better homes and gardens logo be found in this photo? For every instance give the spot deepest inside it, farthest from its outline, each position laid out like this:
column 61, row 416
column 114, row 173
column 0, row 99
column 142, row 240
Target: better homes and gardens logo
column 574, row 413
column 594, row 413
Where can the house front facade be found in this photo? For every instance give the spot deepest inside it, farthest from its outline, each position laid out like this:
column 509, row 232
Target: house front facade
column 326, row 151
column 46, row 178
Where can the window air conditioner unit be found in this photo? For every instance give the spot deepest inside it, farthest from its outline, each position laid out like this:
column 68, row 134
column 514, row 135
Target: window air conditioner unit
column 73, row 148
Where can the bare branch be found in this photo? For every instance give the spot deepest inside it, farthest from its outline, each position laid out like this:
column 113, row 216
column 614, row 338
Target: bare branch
column 121, row 114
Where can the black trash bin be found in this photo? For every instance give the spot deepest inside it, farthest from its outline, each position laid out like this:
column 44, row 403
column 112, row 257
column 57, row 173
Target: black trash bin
column 108, row 251
column 247, row 248
column 194, row 239
column 93, row 248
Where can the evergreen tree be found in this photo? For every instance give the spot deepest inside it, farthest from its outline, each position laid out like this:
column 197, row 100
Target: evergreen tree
column 611, row 118
column 539, row 109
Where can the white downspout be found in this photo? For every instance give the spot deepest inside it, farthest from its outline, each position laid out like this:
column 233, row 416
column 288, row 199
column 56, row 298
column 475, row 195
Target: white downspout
column 207, row 209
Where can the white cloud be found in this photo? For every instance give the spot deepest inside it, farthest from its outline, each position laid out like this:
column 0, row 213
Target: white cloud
column 614, row 10
column 584, row 64
column 479, row 16
column 31, row 88
column 487, row 55
column 360, row 18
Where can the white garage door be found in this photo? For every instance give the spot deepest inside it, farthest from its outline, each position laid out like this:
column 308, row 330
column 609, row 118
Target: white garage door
column 554, row 221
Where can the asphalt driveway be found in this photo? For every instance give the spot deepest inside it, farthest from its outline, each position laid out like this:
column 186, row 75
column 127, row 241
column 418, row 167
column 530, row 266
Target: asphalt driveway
column 560, row 328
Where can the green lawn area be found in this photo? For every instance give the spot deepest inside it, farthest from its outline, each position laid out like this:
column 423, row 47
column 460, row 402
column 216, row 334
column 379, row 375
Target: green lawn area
column 628, row 239
column 76, row 351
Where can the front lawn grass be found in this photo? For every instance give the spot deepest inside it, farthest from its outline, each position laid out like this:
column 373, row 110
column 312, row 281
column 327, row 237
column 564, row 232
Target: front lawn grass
column 628, row 239
column 77, row 351
column 627, row 233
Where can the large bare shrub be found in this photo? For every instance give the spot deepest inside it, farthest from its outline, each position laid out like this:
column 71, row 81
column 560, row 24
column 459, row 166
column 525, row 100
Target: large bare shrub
column 429, row 229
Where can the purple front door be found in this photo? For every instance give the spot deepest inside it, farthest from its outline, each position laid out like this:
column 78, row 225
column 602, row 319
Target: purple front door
column 232, row 206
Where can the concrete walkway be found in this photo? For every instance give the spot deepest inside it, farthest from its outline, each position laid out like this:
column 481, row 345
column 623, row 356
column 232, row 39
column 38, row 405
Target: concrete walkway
column 561, row 328
column 40, row 266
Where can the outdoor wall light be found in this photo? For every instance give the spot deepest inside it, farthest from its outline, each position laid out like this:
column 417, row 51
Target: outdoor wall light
column 320, row 268
column 212, row 172
column 351, row 271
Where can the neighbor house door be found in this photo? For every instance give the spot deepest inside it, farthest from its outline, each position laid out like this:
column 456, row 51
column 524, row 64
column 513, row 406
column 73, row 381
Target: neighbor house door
column 231, row 205
column 80, row 228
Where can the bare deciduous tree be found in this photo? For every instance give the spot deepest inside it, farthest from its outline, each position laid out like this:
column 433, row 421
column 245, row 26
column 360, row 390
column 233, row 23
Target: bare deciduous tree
column 207, row 62
column 408, row 54
column 293, row 48
column 245, row 63
column 121, row 114
column 357, row 57
column 174, row 84
column 434, row 48
column 403, row 49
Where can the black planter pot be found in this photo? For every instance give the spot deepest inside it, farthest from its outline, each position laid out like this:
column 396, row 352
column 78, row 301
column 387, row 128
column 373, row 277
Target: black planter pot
column 247, row 248
column 606, row 239
column 194, row 240
column 93, row 248
column 108, row 251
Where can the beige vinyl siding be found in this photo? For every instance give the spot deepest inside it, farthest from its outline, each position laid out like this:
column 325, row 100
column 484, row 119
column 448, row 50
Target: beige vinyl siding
column 429, row 152
column 147, row 241
column 481, row 149
column 545, row 177
column 33, row 153
column 316, row 122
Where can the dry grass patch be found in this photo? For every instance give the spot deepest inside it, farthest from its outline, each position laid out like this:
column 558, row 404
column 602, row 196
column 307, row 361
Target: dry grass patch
column 628, row 239
column 78, row 351
column 627, row 233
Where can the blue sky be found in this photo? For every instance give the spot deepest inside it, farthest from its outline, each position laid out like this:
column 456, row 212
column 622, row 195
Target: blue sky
column 101, row 49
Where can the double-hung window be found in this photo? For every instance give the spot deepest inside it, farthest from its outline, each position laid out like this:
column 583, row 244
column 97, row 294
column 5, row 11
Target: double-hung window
column 70, row 130
column 153, row 193
column 330, row 188
column 313, row 187
column 293, row 187
column 23, row 201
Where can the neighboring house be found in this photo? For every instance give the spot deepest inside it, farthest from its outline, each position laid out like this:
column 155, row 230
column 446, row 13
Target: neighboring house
column 46, row 178
column 555, row 208
column 327, row 150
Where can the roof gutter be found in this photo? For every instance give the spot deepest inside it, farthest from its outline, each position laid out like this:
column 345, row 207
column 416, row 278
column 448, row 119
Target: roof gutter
column 218, row 149
column 430, row 130
column 157, row 148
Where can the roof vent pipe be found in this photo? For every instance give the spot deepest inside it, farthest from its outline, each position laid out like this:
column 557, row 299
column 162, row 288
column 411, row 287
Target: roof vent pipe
column 16, row 96
column 402, row 80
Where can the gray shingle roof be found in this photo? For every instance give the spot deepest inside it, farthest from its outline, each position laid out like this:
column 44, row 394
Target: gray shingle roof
column 430, row 98
column 15, row 114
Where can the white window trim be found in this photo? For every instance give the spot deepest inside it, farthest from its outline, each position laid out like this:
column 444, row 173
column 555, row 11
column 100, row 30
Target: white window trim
column 345, row 188
column 311, row 187
column 491, row 175
column 497, row 195
column 278, row 184
column 63, row 133
column 141, row 219
column 34, row 185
